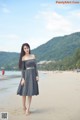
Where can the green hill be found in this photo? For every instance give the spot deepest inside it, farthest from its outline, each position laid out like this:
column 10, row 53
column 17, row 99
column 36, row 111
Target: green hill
column 9, row 59
column 58, row 47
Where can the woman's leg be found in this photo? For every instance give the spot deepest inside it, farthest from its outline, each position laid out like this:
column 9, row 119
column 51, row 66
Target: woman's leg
column 24, row 102
column 29, row 98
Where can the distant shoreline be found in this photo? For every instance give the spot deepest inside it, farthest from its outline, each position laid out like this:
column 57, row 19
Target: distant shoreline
column 6, row 77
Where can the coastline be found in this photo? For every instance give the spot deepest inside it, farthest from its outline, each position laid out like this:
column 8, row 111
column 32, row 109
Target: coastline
column 6, row 77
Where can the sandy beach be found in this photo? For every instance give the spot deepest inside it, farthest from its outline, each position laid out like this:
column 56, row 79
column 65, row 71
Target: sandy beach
column 59, row 99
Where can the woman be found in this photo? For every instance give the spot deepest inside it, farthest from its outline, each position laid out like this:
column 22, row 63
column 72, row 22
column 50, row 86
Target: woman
column 29, row 83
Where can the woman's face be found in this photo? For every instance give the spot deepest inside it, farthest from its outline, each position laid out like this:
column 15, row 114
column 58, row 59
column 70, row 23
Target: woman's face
column 26, row 49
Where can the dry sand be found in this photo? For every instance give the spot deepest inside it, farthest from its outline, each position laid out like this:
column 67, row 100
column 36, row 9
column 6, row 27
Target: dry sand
column 59, row 99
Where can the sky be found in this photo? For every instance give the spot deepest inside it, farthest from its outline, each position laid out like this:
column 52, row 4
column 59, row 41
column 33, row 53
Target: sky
column 35, row 22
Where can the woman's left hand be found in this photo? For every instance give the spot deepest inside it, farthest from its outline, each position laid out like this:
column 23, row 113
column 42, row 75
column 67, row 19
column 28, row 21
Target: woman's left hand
column 37, row 78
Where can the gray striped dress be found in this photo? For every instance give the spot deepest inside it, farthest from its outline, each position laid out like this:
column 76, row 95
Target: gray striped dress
column 29, row 73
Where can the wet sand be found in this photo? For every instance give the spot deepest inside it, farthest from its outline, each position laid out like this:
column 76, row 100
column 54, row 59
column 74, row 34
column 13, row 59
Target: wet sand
column 59, row 99
column 6, row 77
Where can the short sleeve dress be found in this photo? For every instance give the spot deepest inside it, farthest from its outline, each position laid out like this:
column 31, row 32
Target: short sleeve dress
column 29, row 73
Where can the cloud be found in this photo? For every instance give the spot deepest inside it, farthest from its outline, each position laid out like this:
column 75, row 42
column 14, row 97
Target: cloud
column 75, row 13
column 9, row 46
column 59, row 22
column 9, row 37
column 5, row 10
column 55, row 22
column 10, row 42
column 59, row 19
column 34, row 42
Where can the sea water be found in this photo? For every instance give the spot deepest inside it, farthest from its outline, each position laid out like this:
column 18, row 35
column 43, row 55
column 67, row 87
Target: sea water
column 11, row 85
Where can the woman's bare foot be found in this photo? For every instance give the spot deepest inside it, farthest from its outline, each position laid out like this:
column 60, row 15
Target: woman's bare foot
column 27, row 112
column 24, row 108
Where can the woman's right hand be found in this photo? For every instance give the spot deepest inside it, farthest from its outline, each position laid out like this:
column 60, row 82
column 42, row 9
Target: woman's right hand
column 22, row 82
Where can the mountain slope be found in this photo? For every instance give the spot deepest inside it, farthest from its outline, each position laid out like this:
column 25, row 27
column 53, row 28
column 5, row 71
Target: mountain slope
column 58, row 47
column 8, row 59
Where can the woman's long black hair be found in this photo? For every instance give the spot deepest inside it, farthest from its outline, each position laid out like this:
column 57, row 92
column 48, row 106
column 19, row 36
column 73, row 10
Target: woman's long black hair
column 23, row 53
